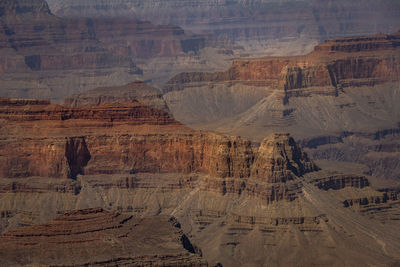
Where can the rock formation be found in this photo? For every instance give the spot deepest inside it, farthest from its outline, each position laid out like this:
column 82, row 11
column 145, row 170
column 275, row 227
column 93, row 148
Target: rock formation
column 98, row 237
column 43, row 56
column 233, row 199
column 251, row 23
column 130, row 138
column 346, row 88
column 135, row 91
column 336, row 63
column 280, row 158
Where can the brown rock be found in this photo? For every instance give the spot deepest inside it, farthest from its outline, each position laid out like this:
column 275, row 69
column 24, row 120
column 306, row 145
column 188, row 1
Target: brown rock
column 39, row 51
column 279, row 159
column 97, row 237
column 134, row 138
column 132, row 92
column 334, row 64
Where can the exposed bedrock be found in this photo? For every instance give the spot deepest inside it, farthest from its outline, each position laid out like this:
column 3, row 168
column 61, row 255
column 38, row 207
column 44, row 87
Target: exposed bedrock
column 134, row 138
column 341, row 181
column 131, row 92
column 44, row 56
column 250, row 22
column 102, row 238
column 226, row 192
column 328, row 91
column 326, row 66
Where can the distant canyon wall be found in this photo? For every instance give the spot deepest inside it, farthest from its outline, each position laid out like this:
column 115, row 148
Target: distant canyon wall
column 249, row 21
column 44, row 56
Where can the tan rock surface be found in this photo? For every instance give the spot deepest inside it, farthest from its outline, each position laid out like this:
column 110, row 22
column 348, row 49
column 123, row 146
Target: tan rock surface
column 135, row 91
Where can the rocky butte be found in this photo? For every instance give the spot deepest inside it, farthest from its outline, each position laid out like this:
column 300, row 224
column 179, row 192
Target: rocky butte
column 344, row 93
column 236, row 201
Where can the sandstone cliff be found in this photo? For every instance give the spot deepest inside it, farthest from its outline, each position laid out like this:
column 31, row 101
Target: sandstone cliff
column 133, row 138
column 228, row 194
column 335, row 63
column 283, row 91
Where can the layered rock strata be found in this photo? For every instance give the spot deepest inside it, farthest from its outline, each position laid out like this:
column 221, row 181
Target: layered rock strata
column 134, row 138
column 336, row 63
column 43, row 56
column 233, row 199
column 98, row 237
column 135, row 91
column 345, row 85
column 250, row 22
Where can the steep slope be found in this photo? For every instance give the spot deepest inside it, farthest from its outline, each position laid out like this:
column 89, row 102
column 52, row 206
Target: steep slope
column 240, row 203
column 97, row 237
column 340, row 100
column 346, row 71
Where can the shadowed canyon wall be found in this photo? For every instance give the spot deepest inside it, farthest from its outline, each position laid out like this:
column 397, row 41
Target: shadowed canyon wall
column 44, row 56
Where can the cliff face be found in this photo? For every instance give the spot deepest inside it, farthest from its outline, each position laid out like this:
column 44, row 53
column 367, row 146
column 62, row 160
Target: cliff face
column 280, row 159
column 132, row 92
column 140, row 161
column 133, row 138
column 84, row 231
column 330, row 73
column 44, row 56
column 333, row 63
column 250, row 22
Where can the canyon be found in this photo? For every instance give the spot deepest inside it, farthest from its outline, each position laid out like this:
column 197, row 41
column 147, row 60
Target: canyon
column 127, row 139
column 262, row 27
column 338, row 101
column 139, row 161
column 44, row 56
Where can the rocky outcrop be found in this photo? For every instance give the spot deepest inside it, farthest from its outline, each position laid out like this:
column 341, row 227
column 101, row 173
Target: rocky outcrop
column 135, row 113
column 279, row 159
column 233, row 199
column 325, row 67
column 341, row 181
column 364, row 202
column 65, row 155
column 323, row 93
column 135, row 91
column 134, row 138
column 362, row 43
column 91, row 233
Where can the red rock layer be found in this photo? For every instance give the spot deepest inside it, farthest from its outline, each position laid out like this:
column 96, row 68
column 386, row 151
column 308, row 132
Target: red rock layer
column 36, row 110
column 334, row 64
column 98, row 237
column 54, row 141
